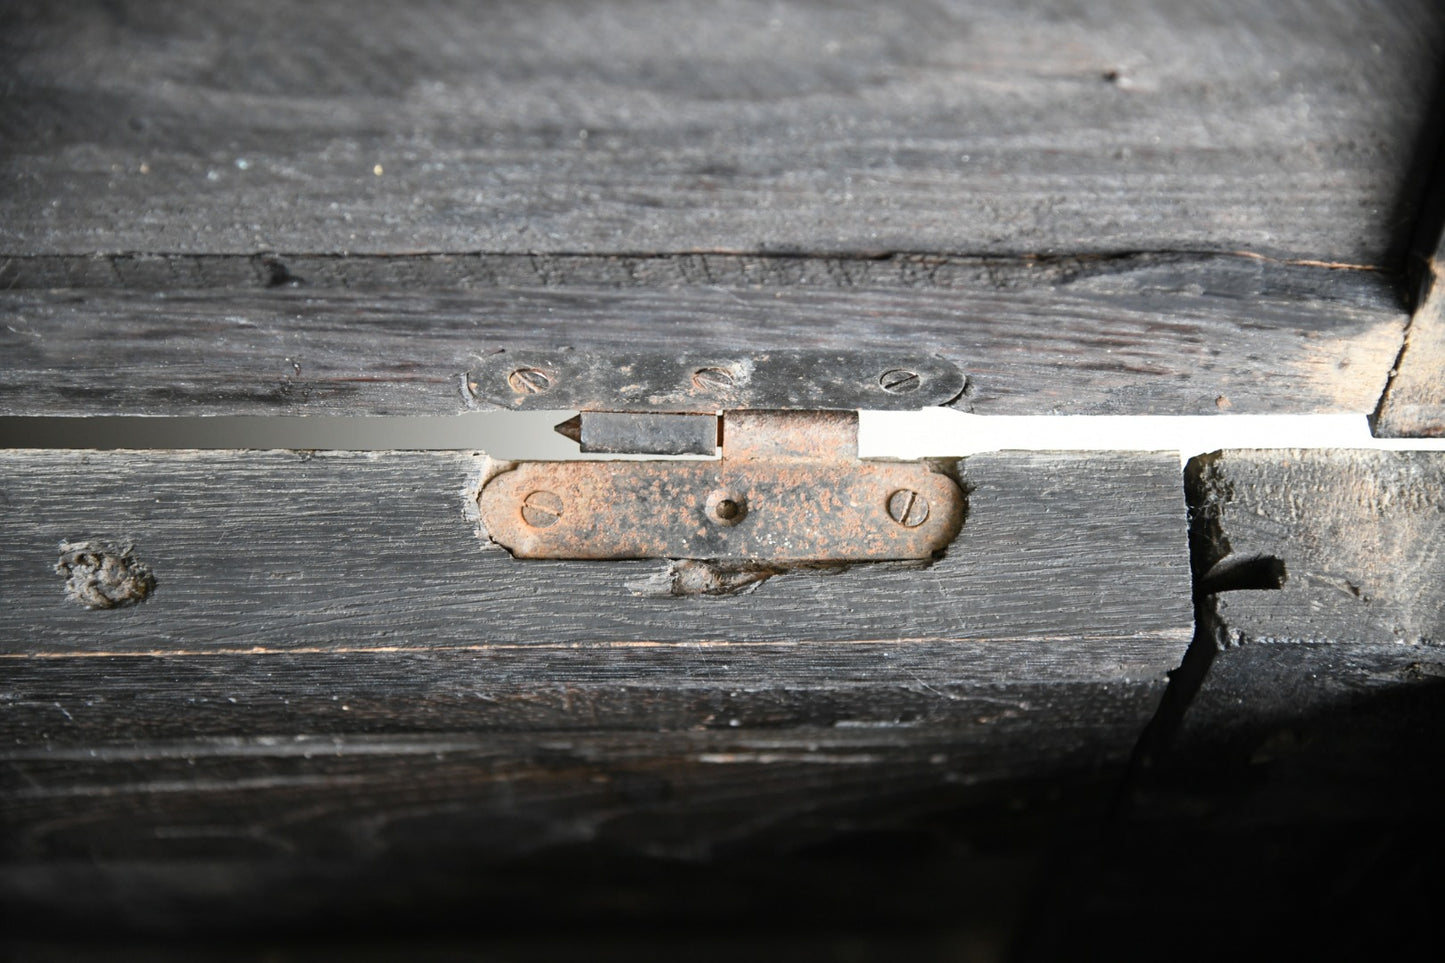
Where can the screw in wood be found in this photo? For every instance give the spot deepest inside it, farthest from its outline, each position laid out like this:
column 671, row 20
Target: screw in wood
column 529, row 381
column 900, row 381
column 712, row 379
column 541, row 509
column 908, row 508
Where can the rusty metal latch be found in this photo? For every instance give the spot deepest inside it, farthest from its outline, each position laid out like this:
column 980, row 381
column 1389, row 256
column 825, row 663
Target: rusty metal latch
column 788, row 485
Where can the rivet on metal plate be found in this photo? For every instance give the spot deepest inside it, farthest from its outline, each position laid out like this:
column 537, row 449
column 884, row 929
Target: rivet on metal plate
column 789, row 487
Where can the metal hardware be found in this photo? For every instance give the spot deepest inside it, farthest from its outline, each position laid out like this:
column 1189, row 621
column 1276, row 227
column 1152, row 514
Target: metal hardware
column 908, row 508
column 541, row 509
column 789, row 487
column 530, row 381
column 900, row 381
column 710, row 383
column 642, row 433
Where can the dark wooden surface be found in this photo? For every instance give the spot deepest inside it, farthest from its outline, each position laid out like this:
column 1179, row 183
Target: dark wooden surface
column 290, row 551
column 1114, row 339
column 1299, row 773
column 334, row 676
column 1143, row 208
column 623, row 128
column 1291, row 807
column 335, row 710
column 1360, row 536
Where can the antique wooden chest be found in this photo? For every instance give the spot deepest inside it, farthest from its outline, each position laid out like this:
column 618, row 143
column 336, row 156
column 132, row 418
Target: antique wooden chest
column 998, row 704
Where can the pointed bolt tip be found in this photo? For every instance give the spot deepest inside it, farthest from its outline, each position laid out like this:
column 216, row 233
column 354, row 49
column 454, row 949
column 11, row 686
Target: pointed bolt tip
column 570, row 429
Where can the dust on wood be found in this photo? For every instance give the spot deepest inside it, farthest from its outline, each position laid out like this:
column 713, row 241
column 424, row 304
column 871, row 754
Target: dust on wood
column 1414, row 406
column 1120, row 343
column 1360, row 535
column 949, row 127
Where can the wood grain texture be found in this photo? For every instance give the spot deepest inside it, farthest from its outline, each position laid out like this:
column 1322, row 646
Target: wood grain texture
column 294, row 552
column 1156, row 338
column 1311, row 751
column 1413, row 405
column 1296, row 810
column 1295, row 806
column 336, row 697
column 742, row 126
column 1360, row 535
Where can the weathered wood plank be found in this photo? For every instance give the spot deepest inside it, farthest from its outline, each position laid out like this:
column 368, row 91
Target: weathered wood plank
column 1318, row 723
column 333, row 692
column 1239, row 275
column 1143, row 340
column 905, row 691
column 501, row 798
column 1359, row 537
column 612, row 127
column 1413, row 405
column 1305, row 779
column 294, row 552
column 802, row 883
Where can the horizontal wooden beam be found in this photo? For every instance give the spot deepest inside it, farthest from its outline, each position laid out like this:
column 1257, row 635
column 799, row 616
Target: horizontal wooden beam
column 293, row 552
column 309, row 675
column 1215, row 336
column 956, row 127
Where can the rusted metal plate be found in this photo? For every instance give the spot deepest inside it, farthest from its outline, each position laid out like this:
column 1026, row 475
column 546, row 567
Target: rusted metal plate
column 704, row 383
column 788, row 488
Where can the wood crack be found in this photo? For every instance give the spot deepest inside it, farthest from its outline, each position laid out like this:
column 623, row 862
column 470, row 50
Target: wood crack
column 1240, row 273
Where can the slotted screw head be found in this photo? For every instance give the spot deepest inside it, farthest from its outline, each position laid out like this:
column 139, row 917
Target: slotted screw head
column 712, row 379
column 900, row 381
column 529, row 381
column 541, row 509
column 908, row 508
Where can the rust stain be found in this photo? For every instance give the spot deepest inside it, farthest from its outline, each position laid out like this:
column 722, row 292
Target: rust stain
column 789, row 488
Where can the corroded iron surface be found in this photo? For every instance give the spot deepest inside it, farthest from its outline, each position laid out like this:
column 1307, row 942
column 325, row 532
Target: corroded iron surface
column 698, row 383
column 788, row 488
